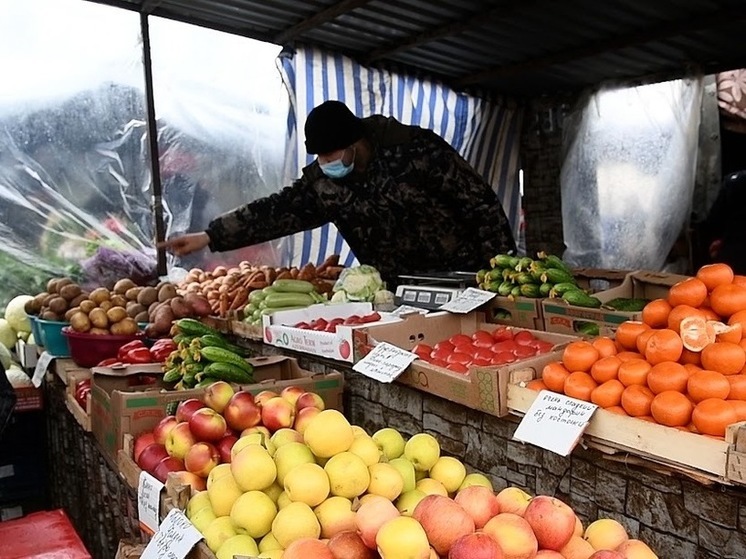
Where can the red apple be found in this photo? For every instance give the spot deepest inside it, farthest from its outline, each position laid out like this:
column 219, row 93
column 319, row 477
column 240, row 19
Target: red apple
column 207, row 425
column 309, row 400
column 265, row 395
column 348, row 545
column 142, row 441
column 201, row 458
column 372, row 514
column 305, row 548
column 166, row 466
column 224, row 447
column 277, row 413
column 180, row 439
column 444, row 521
column 513, row 500
column 479, row 502
column 186, row 408
column 242, row 411
column 513, row 534
column 475, row 546
column 188, row 478
column 291, row 393
column 256, row 429
column 303, row 418
column 150, row 456
column 552, row 521
column 163, row 428
column 218, row 394
column 606, row 554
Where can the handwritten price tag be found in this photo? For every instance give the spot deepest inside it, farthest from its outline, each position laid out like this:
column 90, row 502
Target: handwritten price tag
column 385, row 362
column 555, row 422
column 407, row 309
column 45, row 359
column 468, row 300
column 149, row 501
column 175, row 538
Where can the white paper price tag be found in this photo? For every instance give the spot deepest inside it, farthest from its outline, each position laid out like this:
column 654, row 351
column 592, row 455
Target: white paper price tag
column 468, row 300
column 555, row 422
column 385, row 362
column 175, row 538
column 149, row 501
column 45, row 359
column 407, row 309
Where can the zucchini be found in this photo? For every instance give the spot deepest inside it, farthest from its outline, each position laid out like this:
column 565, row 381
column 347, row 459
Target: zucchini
column 493, row 286
column 193, row 327
column 555, row 275
column 293, row 286
column 257, row 295
column 278, row 300
column 481, row 275
column 522, row 278
column 204, row 383
column 500, row 261
column 544, row 289
column 530, row 290
column 172, row 375
column 268, row 311
column 220, row 355
column 552, row 261
column 504, row 288
column 494, row 275
column 228, row 372
column 515, row 291
column 513, row 262
column 626, row 304
column 587, row 328
column 560, row 289
column 220, row 341
column 581, row 299
column 524, row 264
column 537, row 270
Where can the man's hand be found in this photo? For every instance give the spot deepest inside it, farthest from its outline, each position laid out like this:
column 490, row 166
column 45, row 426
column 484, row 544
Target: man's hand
column 186, row 244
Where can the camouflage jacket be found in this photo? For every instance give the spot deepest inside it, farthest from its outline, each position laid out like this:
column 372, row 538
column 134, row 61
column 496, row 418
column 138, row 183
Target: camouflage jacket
column 418, row 207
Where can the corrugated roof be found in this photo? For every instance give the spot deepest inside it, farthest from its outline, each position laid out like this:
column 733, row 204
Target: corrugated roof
column 517, row 47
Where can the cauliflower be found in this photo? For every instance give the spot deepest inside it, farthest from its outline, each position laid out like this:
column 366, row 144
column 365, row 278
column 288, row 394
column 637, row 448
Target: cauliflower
column 359, row 283
column 15, row 313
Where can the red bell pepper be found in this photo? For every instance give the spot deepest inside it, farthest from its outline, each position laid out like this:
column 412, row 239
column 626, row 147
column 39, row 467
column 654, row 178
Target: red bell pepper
column 126, row 348
column 110, row 362
column 162, row 349
column 138, row 355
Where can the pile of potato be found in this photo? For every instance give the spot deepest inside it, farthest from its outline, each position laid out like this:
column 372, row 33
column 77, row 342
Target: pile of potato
column 62, row 294
column 168, row 306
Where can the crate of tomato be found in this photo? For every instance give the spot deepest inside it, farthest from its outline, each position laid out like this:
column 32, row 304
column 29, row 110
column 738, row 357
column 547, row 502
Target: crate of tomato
column 460, row 356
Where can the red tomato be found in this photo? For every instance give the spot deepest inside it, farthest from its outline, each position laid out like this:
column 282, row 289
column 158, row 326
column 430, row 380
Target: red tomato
column 352, row 320
column 503, row 357
column 331, row 328
column 463, row 358
column 523, row 351
column 457, row 368
column 422, row 348
column 444, row 344
column 337, row 321
column 482, row 338
column 469, row 349
column 502, row 333
column 424, row 357
column 303, row 326
column 441, row 353
column 524, row 337
column 439, row 363
column 543, row 347
column 319, row 324
column 460, row 339
column 505, row 345
column 482, row 362
column 483, row 354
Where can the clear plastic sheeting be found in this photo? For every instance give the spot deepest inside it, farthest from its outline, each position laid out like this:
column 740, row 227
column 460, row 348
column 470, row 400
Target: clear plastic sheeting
column 628, row 174
column 75, row 179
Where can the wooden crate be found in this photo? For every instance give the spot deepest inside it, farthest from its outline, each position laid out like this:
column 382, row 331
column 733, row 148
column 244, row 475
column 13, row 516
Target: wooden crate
column 64, row 367
column 82, row 416
column 700, row 457
column 128, row 470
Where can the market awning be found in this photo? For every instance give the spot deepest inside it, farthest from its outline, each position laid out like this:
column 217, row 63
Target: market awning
column 516, row 47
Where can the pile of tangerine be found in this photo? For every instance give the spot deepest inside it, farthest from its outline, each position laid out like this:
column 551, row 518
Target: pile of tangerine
column 683, row 365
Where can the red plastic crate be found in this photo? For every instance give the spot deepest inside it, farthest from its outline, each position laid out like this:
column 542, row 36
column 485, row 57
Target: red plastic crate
column 41, row 535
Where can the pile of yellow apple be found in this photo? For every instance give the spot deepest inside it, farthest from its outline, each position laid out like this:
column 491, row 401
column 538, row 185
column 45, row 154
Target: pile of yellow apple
column 326, row 489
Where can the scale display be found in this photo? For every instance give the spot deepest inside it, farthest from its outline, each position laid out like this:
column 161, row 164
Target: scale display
column 425, row 297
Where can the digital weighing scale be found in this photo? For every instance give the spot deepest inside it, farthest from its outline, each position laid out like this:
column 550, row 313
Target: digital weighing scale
column 431, row 290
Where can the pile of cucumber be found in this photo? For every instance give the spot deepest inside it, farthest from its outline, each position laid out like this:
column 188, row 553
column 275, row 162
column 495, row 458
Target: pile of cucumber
column 204, row 356
column 546, row 276
column 282, row 295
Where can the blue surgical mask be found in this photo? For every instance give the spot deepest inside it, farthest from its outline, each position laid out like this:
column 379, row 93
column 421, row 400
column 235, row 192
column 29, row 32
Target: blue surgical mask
column 337, row 169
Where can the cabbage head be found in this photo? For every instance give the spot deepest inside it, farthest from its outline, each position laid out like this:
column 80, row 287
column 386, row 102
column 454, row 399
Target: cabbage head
column 360, row 283
column 7, row 334
column 16, row 315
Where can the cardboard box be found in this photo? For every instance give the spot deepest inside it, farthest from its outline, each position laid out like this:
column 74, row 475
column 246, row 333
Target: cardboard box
column 118, row 408
column 599, row 279
column 695, row 455
column 479, row 388
column 82, row 416
column 64, row 367
column 561, row 317
column 277, row 330
column 521, row 312
column 28, row 354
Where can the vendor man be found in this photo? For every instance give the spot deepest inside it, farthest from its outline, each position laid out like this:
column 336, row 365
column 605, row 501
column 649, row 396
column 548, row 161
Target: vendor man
column 403, row 199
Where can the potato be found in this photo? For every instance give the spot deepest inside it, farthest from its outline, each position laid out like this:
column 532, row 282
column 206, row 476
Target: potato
column 147, row 296
column 153, row 307
column 70, row 312
column 30, row 308
column 98, row 318
column 80, row 322
column 163, row 318
column 99, row 331
column 180, row 307
column 48, row 299
column 125, row 327
column 62, row 282
column 123, row 285
column 70, row 291
column 200, row 305
column 167, row 292
column 105, row 305
column 49, row 315
column 116, row 314
column 132, row 293
column 52, row 285
column 133, row 308
column 99, row 295
column 58, row 305
column 142, row 317
column 75, row 302
column 118, row 300
column 87, row 306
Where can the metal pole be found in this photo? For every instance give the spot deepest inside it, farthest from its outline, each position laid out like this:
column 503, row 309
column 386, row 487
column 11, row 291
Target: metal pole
column 155, row 170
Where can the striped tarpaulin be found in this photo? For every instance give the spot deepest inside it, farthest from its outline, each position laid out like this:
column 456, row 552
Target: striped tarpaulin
column 485, row 132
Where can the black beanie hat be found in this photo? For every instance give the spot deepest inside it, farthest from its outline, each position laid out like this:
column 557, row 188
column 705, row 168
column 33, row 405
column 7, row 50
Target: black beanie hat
column 331, row 126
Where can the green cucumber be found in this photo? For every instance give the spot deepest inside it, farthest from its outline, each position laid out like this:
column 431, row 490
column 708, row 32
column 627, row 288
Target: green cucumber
column 560, row 289
column 220, row 355
column 555, row 275
column 293, row 286
column 504, row 288
column 500, row 261
column 581, row 299
column 172, row 375
column 228, row 372
column 530, row 290
column 193, row 327
column 277, row 300
column 545, row 289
